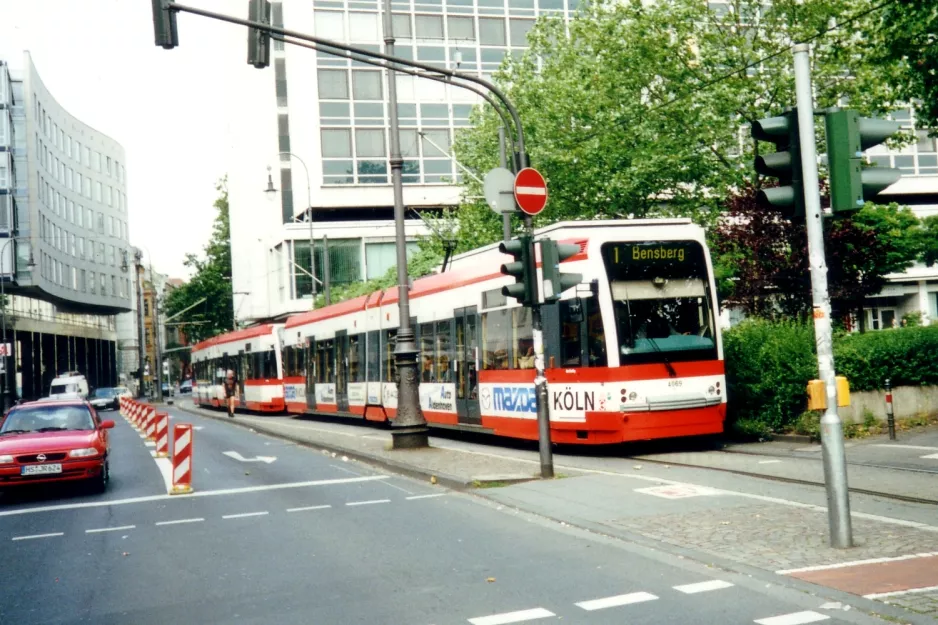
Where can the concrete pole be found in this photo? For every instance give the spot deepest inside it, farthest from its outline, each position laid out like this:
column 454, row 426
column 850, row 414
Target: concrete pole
column 503, row 161
column 832, row 439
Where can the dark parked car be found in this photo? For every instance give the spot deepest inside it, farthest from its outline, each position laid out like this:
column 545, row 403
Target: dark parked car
column 105, row 398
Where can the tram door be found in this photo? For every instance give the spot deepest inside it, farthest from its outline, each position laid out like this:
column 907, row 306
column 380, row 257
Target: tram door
column 341, row 369
column 311, row 373
column 467, row 366
column 239, row 366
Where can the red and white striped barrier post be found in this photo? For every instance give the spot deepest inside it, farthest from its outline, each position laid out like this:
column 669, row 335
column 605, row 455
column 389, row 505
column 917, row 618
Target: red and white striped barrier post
column 150, row 423
column 132, row 413
column 890, row 415
column 182, row 458
column 138, row 411
column 162, row 435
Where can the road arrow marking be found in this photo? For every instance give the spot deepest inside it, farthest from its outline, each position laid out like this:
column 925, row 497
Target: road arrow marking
column 240, row 458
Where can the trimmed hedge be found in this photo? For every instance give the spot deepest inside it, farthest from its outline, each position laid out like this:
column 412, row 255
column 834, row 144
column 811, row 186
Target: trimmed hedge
column 769, row 364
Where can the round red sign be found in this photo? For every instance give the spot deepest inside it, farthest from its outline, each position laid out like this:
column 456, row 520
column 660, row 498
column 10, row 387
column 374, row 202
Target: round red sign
column 530, row 191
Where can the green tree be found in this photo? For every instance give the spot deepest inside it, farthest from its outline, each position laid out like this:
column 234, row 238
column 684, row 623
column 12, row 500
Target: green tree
column 642, row 110
column 906, row 37
column 211, row 281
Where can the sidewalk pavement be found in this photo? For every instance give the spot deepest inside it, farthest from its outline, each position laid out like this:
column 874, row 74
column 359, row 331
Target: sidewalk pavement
column 736, row 522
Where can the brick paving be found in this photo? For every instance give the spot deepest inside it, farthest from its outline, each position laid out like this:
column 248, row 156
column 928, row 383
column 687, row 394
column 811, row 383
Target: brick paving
column 921, row 602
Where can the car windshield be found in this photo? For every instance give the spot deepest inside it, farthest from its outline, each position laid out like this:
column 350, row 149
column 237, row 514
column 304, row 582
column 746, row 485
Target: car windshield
column 61, row 389
column 105, row 392
column 47, row 419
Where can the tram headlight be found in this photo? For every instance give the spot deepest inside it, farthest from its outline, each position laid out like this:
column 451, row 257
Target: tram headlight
column 633, row 396
column 712, row 390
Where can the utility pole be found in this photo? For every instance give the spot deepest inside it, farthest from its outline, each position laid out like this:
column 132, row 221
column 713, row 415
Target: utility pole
column 540, row 379
column 141, row 341
column 832, row 439
column 503, row 161
column 410, row 426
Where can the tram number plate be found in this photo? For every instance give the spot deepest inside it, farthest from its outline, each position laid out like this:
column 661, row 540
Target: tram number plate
column 41, row 469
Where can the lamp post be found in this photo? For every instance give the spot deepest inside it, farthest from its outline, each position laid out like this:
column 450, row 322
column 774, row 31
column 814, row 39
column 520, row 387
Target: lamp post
column 155, row 313
column 3, row 302
column 271, row 190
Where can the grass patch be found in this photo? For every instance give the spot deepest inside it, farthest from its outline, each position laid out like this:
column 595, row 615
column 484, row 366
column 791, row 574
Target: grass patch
column 492, row 484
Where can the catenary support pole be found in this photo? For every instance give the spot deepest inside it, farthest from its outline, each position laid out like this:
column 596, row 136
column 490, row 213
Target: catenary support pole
column 835, row 461
column 503, row 161
column 409, row 425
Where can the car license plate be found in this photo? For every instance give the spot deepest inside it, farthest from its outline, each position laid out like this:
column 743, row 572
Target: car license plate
column 41, row 469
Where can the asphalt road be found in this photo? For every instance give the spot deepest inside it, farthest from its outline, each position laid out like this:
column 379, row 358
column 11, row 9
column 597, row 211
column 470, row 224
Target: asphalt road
column 310, row 538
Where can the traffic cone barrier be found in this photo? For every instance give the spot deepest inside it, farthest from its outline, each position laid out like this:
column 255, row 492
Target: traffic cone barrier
column 182, row 459
column 150, row 423
column 162, row 435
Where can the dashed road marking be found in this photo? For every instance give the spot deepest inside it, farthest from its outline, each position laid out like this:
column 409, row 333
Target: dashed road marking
column 769, row 461
column 305, row 508
column 931, row 457
column 795, row 618
column 618, row 600
column 713, row 584
column 426, row 496
column 110, row 529
column 243, row 515
column 367, row 503
column 897, row 446
column 179, row 521
column 33, row 536
column 512, row 617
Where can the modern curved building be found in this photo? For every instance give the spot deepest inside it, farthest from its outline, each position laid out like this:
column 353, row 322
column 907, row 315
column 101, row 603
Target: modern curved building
column 64, row 253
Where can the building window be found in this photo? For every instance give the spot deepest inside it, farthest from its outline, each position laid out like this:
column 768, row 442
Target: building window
column 460, row 28
column 329, row 24
column 366, row 85
column 363, row 27
column 491, row 31
column 96, row 161
column 428, row 26
column 519, row 31
column 97, row 191
column 336, row 143
column 333, row 84
column 401, row 26
column 369, row 143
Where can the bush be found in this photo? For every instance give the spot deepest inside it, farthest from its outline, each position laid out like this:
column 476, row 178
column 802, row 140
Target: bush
column 769, row 364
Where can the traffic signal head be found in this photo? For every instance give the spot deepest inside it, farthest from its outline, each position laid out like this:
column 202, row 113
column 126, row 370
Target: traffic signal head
column 164, row 25
column 522, row 270
column 555, row 283
column 259, row 40
column 783, row 164
column 848, row 135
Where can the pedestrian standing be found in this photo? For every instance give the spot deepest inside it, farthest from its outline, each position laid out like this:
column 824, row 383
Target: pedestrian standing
column 231, row 392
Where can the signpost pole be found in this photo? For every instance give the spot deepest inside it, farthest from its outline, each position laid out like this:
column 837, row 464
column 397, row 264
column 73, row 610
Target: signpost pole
column 503, row 163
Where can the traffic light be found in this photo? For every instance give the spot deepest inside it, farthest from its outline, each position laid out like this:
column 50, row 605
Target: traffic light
column 784, row 163
column 555, row 282
column 164, row 25
column 523, row 288
column 259, row 40
column 848, row 135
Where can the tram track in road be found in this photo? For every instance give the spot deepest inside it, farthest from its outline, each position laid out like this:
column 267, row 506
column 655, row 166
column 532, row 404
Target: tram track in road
column 799, row 481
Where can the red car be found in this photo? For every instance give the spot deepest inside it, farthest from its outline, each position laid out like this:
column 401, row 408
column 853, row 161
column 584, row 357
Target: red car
column 54, row 441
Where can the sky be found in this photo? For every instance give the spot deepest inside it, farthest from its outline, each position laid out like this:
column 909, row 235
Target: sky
column 167, row 108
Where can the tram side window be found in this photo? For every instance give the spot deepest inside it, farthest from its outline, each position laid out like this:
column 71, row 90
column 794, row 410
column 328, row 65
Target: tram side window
column 444, row 351
column 496, row 339
column 325, row 363
column 269, row 360
column 355, row 352
column 522, row 338
column 427, row 353
column 582, row 337
column 388, row 343
column 310, row 360
column 288, row 361
column 373, row 357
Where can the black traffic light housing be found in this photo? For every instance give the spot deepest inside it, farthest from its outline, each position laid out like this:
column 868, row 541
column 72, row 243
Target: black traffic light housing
column 783, row 164
column 164, row 25
column 555, row 282
column 522, row 268
column 259, row 40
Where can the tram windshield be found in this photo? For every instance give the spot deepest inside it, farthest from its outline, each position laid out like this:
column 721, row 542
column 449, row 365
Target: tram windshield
column 662, row 301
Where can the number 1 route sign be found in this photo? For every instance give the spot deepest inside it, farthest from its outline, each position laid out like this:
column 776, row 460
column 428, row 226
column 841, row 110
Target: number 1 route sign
column 530, row 191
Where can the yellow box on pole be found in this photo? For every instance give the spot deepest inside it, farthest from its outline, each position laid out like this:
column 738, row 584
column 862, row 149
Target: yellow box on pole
column 817, row 397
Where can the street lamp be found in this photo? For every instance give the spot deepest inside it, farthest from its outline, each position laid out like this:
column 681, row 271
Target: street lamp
column 158, row 365
column 271, row 191
column 3, row 302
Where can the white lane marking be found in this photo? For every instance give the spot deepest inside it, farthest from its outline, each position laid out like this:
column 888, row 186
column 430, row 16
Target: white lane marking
column 918, row 447
column 392, row 485
column 110, row 529
column 512, row 617
column 713, row 584
column 812, row 448
column 50, row 535
column 304, row 508
column 843, row 565
column 898, row 593
column 244, row 515
column 366, row 503
column 612, row 602
column 237, row 456
column 204, row 493
column 769, row 461
column 166, row 470
column 795, row 618
column 931, row 457
column 149, row 443
column 179, row 521
column 426, row 496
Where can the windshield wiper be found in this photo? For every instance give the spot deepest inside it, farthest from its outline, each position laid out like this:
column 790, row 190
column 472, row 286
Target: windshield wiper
column 15, row 432
column 52, row 428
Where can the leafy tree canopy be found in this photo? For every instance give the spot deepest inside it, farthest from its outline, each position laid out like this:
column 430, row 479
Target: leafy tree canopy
column 211, row 281
column 643, row 109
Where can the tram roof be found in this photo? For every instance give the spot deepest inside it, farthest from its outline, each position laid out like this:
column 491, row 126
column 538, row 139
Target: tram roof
column 237, row 335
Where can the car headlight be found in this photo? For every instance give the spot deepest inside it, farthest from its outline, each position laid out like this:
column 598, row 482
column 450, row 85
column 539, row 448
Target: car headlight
column 83, row 453
column 6, row 459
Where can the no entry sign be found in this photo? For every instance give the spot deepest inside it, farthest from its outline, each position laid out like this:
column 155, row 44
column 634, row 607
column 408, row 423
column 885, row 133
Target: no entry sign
column 530, row 191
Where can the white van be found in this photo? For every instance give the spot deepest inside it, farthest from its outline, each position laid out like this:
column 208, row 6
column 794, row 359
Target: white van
column 68, row 386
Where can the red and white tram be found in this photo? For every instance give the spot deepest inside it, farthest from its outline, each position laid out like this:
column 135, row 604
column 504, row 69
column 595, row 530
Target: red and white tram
column 254, row 355
column 632, row 353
